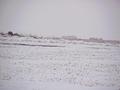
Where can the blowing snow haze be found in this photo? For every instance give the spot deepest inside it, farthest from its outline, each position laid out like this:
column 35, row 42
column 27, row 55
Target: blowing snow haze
column 83, row 18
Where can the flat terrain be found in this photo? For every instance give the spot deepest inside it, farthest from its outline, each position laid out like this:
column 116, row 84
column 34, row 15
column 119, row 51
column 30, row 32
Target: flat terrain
column 40, row 64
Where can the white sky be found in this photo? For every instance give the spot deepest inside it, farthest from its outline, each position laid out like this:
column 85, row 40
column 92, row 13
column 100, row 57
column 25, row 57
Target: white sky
column 83, row 18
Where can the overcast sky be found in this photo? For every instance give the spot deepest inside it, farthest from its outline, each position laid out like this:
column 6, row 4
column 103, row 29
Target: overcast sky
column 83, row 18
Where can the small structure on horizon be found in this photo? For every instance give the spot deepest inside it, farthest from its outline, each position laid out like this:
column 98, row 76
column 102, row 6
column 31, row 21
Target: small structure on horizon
column 70, row 37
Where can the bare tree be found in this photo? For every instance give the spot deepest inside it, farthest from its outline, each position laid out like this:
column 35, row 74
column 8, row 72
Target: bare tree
column 10, row 33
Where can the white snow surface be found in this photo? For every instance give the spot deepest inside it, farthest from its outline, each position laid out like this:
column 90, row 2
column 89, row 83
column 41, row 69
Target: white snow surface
column 72, row 65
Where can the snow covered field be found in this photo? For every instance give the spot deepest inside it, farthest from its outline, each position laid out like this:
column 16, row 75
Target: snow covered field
column 42, row 64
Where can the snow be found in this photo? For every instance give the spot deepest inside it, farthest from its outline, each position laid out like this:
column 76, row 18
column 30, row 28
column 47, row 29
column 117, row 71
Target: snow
column 47, row 86
column 77, row 65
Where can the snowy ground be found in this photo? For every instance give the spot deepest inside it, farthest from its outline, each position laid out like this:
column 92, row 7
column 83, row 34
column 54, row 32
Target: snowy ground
column 39, row 64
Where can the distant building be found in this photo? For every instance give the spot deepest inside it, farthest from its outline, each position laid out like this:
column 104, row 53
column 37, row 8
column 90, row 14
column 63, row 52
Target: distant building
column 69, row 37
column 92, row 39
